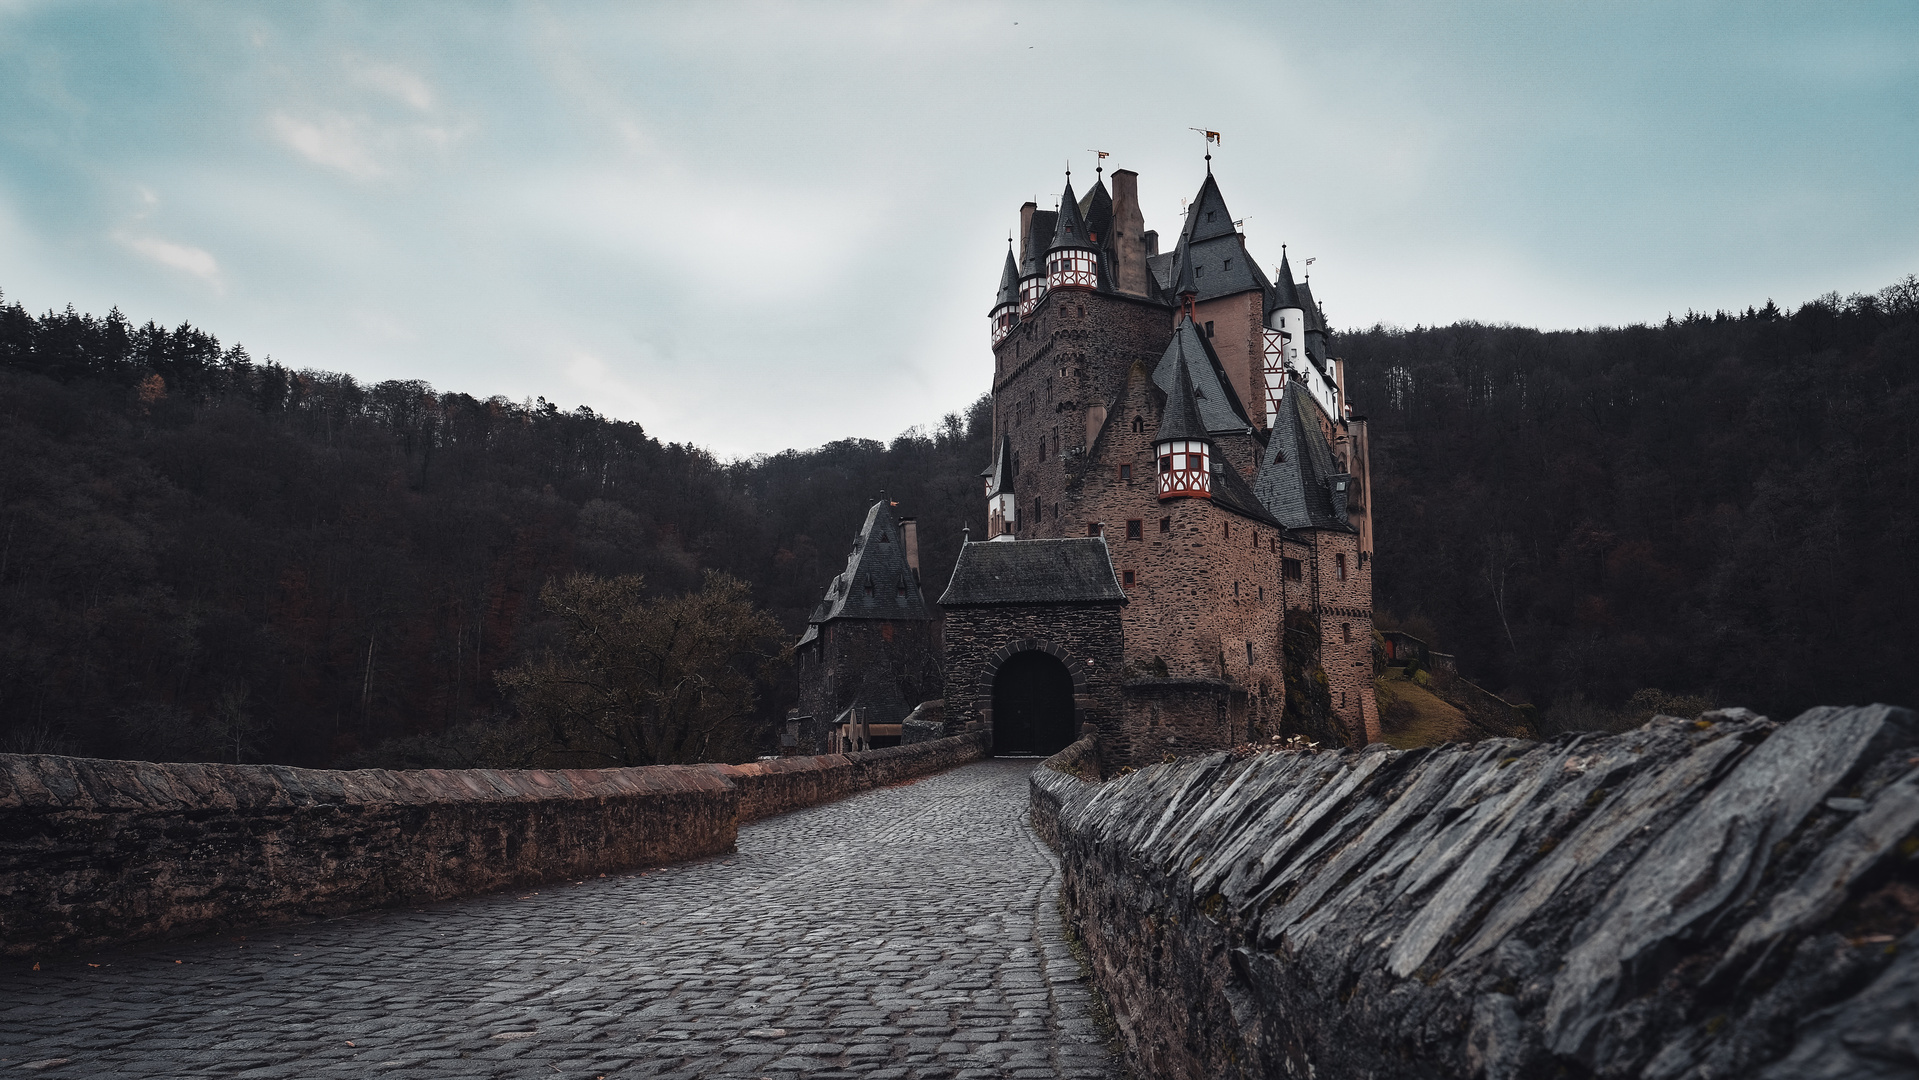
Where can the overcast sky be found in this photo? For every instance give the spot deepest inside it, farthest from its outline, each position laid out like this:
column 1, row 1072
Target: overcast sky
column 765, row 226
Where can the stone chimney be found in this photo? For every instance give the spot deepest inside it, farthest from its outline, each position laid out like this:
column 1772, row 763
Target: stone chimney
column 1025, row 229
column 910, row 536
column 1129, row 234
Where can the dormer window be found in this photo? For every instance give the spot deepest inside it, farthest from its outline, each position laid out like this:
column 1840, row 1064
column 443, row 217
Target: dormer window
column 1210, row 214
column 1228, row 266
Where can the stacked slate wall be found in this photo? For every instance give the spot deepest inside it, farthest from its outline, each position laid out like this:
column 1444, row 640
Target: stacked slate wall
column 1708, row 898
column 97, row 852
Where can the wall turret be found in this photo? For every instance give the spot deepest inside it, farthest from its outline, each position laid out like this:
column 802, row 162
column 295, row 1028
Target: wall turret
column 1182, row 445
column 1072, row 262
column 1036, row 237
column 1002, row 505
column 1006, row 305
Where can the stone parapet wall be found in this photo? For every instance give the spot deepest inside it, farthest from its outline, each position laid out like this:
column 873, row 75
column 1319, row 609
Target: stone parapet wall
column 99, row 852
column 1707, row 898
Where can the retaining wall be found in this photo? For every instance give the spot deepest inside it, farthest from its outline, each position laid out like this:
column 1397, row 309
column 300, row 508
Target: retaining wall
column 96, row 852
column 1709, row 898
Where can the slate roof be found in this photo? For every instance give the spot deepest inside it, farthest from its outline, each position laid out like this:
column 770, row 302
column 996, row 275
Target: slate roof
column 1038, row 239
column 1291, row 481
column 1180, row 418
column 1185, row 284
column 1070, row 229
column 1163, row 268
column 1231, row 491
column 1008, row 282
column 1075, row 571
column 1285, row 292
column 1208, row 217
column 1219, row 406
column 1001, row 473
column 871, row 585
column 1097, row 209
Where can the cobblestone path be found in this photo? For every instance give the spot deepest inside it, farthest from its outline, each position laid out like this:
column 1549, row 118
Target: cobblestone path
column 906, row 932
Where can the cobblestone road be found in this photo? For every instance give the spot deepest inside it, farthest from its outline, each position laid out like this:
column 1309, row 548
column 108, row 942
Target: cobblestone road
column 907, row 932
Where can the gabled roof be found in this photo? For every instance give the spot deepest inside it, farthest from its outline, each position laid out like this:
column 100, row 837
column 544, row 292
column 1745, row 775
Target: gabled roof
column 1008, row 282
column 1038, row 239
column 877, row 583
column 1001, row 473
column 1164, row 267
column 1291, row 481
column 1075, row 571
column 1219, row 407
column 1070, row 229
column 1180, row 418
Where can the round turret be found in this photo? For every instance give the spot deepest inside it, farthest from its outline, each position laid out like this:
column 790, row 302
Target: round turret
column 1073, row 260
column 1182, row 445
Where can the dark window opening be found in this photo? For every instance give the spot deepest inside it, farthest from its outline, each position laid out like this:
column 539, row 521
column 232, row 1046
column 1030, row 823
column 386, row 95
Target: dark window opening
column 1092, row 528
column 1235, row 590
column 1262, row 594
column 1039, row 511
column 1346, row 632
column 1228, row 265
column 1126, row 578
column 1166, row 524
column 1249, row 654
column 1291, row 570
column 1226, row 530
column 1209, row 328
column 1126, row 472
column 1339, row 561
column 1135, row 529
column 1139, row 424
column 1209, row 214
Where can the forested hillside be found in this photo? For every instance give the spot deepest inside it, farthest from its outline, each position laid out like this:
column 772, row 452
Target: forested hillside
column 1726, row 505
column 206, row 557
column 203, row 556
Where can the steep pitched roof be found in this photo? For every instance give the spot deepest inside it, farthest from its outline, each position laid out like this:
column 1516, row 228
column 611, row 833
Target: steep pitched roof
column 1075, row 571
column 1184, row 284
column 877, row 583
column 1008, row 282
column 1097, row 209
column 1207, row 218
column 1180, row 419
column 1219, row 407
column 1002, row 471
column 1291, row 481
column 1165, row 269
column 1038, row 240
column 1070, row 229
column 1285, row 291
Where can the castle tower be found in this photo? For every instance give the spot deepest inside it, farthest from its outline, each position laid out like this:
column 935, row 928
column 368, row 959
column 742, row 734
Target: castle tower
column 1181, row 445
column 1006, row 305
column 1072, row 262
column 1002, row 504
column 1036, row 235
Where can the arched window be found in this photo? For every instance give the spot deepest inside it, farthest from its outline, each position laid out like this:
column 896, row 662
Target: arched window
column 1139, row 424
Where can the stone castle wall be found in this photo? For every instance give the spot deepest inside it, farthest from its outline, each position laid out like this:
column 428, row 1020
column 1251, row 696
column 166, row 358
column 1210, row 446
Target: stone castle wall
column 1699, row 898
column 977, row 639
column 97, row 852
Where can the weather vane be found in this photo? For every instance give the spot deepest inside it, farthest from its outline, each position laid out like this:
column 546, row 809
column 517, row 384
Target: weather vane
column 1100, row 169
column 1212, row 139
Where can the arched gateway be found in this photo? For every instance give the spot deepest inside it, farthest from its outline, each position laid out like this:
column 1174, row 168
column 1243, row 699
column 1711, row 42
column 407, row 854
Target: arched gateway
column 1032, row 705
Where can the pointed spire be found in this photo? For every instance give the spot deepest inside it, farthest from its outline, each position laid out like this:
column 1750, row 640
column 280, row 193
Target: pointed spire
column 1070, row 230
column 1207, row 217
column 1098, row 211
column 1181, row 419
column 1002, row 482
column 1187, row 287
column 1008, row 279
column 1285, row 292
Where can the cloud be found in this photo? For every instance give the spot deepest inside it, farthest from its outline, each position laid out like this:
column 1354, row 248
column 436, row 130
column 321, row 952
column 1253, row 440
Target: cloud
column 335, row 143
column 196, row 261
column 399, row 83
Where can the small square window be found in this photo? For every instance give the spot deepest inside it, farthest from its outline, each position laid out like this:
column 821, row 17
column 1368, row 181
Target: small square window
column 1291, row 569
column 1126, row 472
column 1126, row 578
column 1135, row 529
column 1166, row 524
column 1092, row 528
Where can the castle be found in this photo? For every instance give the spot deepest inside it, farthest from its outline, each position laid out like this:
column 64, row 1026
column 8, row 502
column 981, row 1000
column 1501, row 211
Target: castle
column 1178, row 546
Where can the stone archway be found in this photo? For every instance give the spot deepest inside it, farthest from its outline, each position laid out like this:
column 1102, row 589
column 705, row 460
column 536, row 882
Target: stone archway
column 1032, row 704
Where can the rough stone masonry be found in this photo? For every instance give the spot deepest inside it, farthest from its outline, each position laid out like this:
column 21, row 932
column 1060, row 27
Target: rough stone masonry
column 1719, row 897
